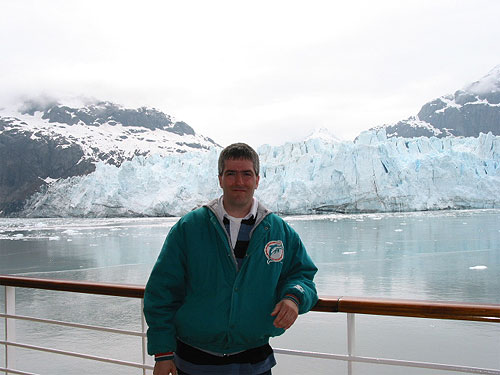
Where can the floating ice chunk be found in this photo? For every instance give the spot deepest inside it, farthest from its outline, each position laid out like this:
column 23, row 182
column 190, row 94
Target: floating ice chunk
column 478, row 268
column 70, row 231
column 398, row 230
column 54, row 238
column 349, row 252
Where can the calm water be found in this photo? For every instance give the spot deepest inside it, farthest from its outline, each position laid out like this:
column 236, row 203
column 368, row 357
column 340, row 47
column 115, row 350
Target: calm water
column 452, row 255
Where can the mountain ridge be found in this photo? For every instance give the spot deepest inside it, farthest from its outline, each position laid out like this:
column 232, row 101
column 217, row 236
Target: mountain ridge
column 42, row 142
column 468, row 112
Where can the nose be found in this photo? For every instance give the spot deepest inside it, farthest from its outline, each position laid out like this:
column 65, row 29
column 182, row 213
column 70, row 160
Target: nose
column 239, row 178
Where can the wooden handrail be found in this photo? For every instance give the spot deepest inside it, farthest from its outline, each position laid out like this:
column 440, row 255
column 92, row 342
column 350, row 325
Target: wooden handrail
column 421, row 309
column 357, row 305
column 109, row 289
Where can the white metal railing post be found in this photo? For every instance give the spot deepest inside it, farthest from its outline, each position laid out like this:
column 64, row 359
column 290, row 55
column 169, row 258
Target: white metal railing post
column 351, row 340
column 10, row 327
column 144, row 345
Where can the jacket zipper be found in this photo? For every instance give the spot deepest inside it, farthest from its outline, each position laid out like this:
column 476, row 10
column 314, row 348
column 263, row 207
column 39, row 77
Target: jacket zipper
column 226, row 240
column 220, row 227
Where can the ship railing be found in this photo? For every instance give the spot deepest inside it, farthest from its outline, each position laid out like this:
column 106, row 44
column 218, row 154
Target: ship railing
column 349, row 305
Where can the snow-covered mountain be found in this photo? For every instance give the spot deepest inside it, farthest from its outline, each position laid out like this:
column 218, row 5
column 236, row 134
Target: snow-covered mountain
column 323, row 134
column 467, row 112
column 374, row 173
column 44, row 142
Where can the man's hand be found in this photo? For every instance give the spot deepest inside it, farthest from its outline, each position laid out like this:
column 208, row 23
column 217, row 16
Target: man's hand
column 165, row 368
column 286, row 312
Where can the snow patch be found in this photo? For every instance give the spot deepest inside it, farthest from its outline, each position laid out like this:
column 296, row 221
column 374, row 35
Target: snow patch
column 489, row 83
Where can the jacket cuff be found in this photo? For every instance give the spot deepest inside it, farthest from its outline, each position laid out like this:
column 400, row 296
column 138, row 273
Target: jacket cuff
column 164, row 356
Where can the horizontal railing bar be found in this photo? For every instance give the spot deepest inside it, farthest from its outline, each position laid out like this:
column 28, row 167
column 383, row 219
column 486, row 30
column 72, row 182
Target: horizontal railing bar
column 429, row 365
column 302, row 353
column 12, row 371
column 78, row 355
column 110, row 289
column 420, row 309
column 358, row 305
column 385, row 361
column 74, row 325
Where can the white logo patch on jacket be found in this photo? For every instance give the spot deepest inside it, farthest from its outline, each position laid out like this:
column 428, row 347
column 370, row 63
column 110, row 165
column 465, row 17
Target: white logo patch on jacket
column 275, row 251
column 299, row 288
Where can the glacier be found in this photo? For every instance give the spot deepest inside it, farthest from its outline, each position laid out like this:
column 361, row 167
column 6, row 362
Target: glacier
column 374, row 173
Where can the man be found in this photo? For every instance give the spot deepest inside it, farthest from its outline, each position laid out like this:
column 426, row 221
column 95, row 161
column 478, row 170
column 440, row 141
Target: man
column 230, row 275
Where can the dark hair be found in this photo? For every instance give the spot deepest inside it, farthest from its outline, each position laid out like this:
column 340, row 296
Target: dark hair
column 239, row 151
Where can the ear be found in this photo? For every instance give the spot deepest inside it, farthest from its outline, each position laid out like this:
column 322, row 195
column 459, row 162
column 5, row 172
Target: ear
column 220, row 181
column 257, row 179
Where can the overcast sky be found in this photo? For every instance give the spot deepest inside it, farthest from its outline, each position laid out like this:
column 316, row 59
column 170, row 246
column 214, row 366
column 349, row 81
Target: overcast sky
column 253, row 71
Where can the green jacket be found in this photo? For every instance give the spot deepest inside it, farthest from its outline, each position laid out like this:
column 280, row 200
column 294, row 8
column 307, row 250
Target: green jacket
column 196, row 293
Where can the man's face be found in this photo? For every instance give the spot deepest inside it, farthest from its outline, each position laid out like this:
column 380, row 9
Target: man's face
column 238, row 182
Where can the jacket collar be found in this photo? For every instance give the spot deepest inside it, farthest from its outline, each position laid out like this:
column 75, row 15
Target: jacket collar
column 215, row 204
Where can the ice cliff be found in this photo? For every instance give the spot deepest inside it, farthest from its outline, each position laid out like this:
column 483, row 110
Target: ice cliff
column 372, row 174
